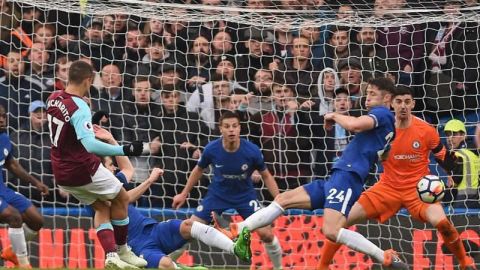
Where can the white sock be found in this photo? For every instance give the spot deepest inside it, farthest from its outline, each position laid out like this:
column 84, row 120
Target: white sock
column 211, row 237
column 19, row 245
column 262, row 217
column 274, row 251
column 359, row 243
column 29, row 233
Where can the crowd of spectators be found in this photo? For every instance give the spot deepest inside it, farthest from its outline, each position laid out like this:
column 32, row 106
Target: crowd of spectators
column 166, row 82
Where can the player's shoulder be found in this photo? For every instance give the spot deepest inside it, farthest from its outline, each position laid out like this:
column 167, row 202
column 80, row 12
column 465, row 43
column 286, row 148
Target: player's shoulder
column 64, row 101
column 5, row 139
column 248, row 144
column 381, row 114
column 420, row 124
column 381, row 109
column 213, row 145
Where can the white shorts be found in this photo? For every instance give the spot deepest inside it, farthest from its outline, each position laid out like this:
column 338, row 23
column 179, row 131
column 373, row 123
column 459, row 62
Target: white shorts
column 104, row 187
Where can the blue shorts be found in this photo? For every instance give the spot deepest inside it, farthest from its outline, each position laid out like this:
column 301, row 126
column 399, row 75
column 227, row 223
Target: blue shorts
column 245, row 207
column 164, row 238
column 340, row 192
column 15, row 199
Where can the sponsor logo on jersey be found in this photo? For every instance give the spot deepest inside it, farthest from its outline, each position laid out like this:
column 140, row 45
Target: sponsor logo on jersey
column 410, row 157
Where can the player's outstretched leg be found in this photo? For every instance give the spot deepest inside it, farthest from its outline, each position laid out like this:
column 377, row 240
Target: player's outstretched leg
column 296, row 198
column 436, row 216
column 214, row 238
column 12, row 217
column 334, row 221
column 119, row 215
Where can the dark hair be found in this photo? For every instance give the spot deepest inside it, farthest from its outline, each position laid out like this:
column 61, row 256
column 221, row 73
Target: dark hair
column 79, row 71
column 338, row 28
column 227, row 115
column 403, row 90
column 140, row 78
column 168, row 89
column 218, row 78
column 341, row 90
column 383, row 84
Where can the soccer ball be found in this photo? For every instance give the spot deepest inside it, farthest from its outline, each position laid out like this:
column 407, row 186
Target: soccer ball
column 430, row 189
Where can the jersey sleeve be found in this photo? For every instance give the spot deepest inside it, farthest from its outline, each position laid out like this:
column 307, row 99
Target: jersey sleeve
column 380, row 115
column 435, row 145
column 82, row 120
column 11, row 153
column 205, row 159
column 259, row 163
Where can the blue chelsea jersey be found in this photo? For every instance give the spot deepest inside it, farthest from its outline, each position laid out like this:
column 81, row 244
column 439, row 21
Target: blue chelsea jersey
column 366, row 147
column 6, row 154
column 232, row 170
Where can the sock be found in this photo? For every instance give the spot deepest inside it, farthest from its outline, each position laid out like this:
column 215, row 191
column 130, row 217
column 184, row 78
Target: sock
column 452, row 240
column 19, row 245
column 274, row 251
column 211, row 237
column 327, row 253
column 29, row 233
column 120, row 229
column 106, row 237
column 359, row 243
column 262, row 217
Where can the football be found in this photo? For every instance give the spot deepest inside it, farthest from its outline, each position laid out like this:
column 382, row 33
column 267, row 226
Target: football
column 430, row 189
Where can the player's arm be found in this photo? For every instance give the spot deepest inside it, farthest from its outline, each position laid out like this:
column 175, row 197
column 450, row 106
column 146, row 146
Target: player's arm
column 123, row 162
column 192, row 181
column 270, row 182
column 350, row 123
column 139, row 190
column 82, row 122
column 452, row 164
column 14, row 167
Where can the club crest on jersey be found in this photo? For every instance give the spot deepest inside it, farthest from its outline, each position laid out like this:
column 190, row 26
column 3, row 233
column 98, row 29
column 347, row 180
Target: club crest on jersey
column 416, row 144
column 244, row 167
column 200, row 208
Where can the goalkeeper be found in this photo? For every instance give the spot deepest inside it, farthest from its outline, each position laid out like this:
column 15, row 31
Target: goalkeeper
column 407, row 163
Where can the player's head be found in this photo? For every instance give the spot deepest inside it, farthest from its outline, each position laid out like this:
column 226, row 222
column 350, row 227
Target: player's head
column 3, row 119
column 379, row 92
column 229, row 125
column 455, row 131
column 403, row 102
column 81, row 74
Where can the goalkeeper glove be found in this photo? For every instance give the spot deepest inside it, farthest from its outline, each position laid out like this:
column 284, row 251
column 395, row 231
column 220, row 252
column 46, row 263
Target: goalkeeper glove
column 133, row 149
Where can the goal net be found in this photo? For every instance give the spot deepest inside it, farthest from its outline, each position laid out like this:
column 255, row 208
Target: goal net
column 167, row 69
